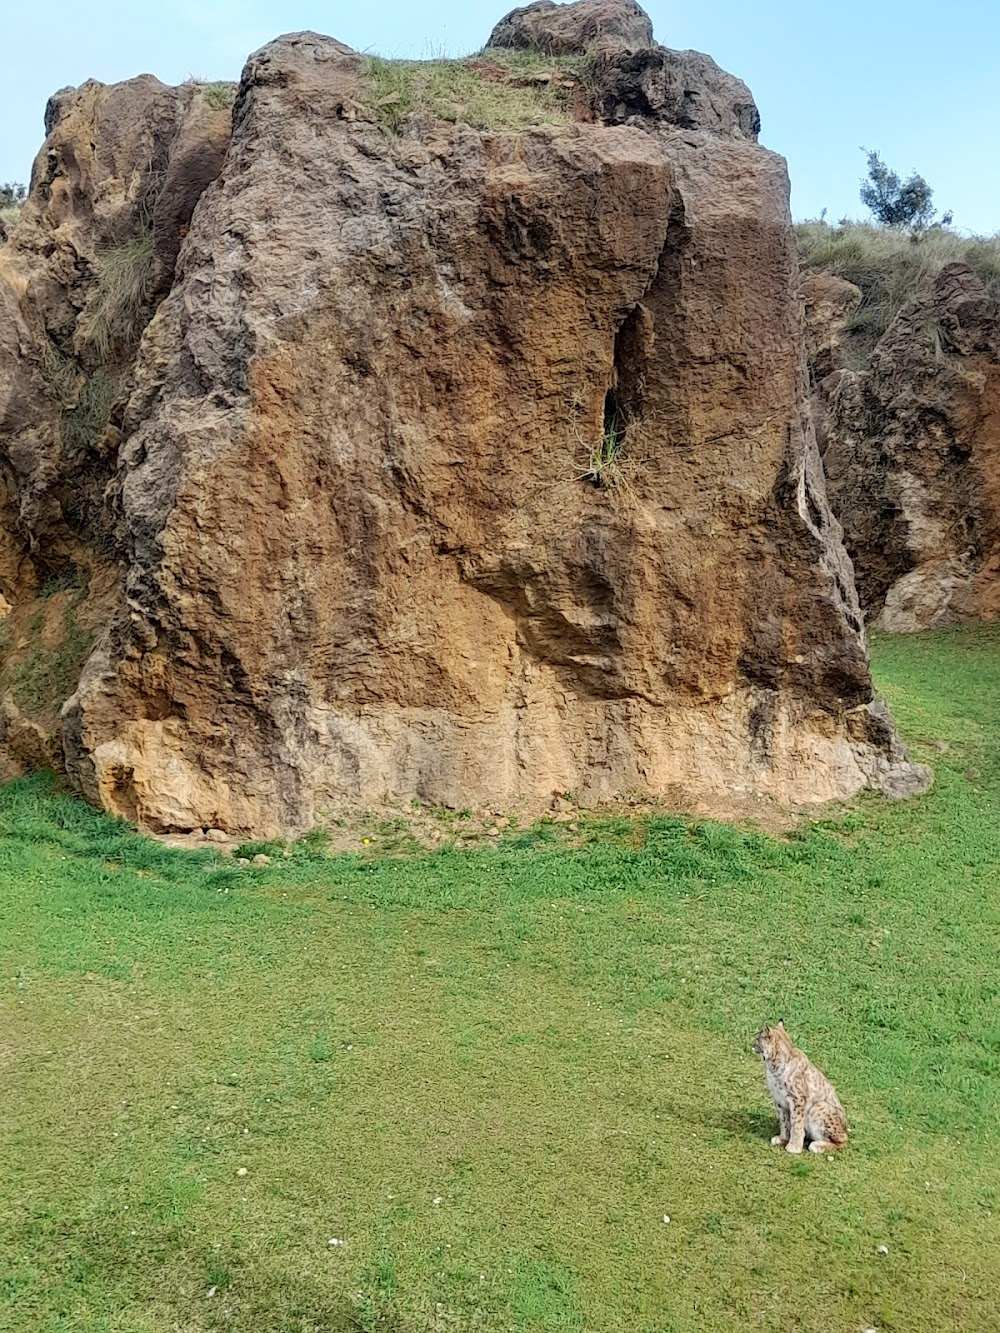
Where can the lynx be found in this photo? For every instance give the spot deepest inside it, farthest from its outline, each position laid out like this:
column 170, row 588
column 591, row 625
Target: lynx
column 806, row 1101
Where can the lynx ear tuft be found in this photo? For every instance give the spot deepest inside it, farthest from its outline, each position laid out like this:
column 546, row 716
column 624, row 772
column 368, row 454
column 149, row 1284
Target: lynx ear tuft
column 780, row 1024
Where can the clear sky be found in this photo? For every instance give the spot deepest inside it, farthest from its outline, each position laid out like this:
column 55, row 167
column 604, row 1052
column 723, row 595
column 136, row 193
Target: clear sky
column 915, row 79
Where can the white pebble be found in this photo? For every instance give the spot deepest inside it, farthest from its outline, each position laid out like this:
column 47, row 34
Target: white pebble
column 335, row 1242
column 666, row 1218
column 438, row 1199
column 211, row 1292
column 242, row 1171
column 883, row 1249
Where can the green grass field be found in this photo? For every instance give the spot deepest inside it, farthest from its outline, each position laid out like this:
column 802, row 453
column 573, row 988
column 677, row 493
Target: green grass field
column 490, row 1076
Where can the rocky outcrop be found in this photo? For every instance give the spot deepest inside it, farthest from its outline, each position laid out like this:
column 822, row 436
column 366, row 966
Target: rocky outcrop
column 574, row 29
column 679, row 88
column 912, row 453
column 468, row 467
column 111, row 198
column 631, row 76
column 91, row 255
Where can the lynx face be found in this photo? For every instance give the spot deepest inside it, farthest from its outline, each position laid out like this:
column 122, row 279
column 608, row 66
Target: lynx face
column 768, row 1041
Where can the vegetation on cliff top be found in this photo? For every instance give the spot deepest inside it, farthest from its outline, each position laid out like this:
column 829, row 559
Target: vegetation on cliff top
column 499, row 89
column 217, row 93
column 468, row 1090
column 890, row 264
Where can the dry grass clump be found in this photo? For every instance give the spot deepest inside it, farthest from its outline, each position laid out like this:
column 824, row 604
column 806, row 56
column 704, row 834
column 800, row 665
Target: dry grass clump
column 889, row 264
column 85, row 422
column 86, row 398
column 121, row 304
column 495, row 90
column 217, row 93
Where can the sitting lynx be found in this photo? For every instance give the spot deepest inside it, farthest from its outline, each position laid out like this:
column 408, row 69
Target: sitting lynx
column 807, row 1103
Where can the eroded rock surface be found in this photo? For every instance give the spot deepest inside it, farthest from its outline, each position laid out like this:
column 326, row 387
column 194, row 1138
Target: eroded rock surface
column 575, row 29
column 111, row 199
column 93, row 251
column 471, row 467
column 912, row 452
column 680, row 88
column 829, row 302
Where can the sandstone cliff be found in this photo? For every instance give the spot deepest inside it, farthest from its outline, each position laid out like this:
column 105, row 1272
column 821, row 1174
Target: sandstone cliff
column 911, row 447
column 457, row 462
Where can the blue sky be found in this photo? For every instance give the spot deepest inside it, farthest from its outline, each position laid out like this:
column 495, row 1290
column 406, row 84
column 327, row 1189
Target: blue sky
column 916, row 80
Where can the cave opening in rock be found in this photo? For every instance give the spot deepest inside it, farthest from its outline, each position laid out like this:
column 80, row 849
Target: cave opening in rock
column 615, row 420
column 623, row 397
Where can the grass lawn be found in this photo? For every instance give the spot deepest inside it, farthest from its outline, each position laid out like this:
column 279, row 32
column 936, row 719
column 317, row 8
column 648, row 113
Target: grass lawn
column 465, row 1090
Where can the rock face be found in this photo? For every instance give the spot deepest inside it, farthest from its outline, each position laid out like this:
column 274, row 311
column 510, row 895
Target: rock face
column 469, row 467
column 93, row 251
column 829, row 302
column 912, row 453
column 111, row 198
column 679, row 88
column 567, row 30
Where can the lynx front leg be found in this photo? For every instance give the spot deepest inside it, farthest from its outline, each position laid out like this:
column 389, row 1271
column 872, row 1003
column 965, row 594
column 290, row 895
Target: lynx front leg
column 784, row 1125
column 797, row 1129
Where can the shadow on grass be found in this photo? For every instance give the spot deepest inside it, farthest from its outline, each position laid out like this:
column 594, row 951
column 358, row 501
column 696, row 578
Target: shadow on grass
column 751, row 1125
column 748, row 1124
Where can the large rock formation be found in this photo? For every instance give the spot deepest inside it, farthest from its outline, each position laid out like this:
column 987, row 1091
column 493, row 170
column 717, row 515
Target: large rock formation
column 912, row 453
column 463, row 465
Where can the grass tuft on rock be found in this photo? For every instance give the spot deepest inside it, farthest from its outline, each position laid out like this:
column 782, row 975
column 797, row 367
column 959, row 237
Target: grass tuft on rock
column 217, row 93
column 121, row 302
column 86, row 397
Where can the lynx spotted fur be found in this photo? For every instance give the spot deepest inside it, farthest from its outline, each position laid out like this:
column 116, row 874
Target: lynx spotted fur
column 806, row 1101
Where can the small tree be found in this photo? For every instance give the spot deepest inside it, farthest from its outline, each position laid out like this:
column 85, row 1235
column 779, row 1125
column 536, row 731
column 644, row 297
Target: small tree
column 12, row 194
column 896, row 203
